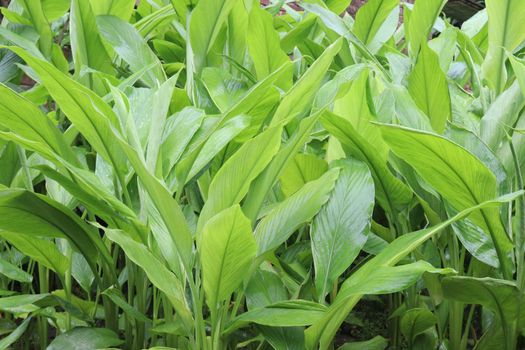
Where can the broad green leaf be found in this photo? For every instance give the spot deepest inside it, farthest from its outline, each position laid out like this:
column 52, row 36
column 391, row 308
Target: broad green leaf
column 156, row 271
column 499, row 296
column 18, row 40
column 167, row 207
column 116, row 296
column 340, row 229
column 206, row 22
column 428, row 87
column 54, row 9
column 13, row 272
column 83, row 338
column 302, row 168
column 26, row 213
column 178, row 132
column 245, row 106
column 223, row 88
column 422, row 20
column 476, row 241
column 43, row 251
column 120, row 8
column 415, row 322
column 132, row 48
column 445, row 45
column 461, row 178
column 505, row 34
column 27, row 120
column 501, row 114
column 391, row 193
column 263, row 45
column 7, row 341
column 299, row 98
column 264, row 288
column 83, row 107
column 376, row 343
column 276, row 227
column 338, row 6
column 232, row 181
column 227, row 250
column 217, row 141
column 336, row 24
column 264, row 182
column 283, row 314
column 86, row 44
column 407, row 112
column 357, row 106
column 238, row 27
column 376, row 22
column 161, row 100
column 518, row 66
column 35, row 13
column 23, row 303
column 388, row 279
column 322, row 332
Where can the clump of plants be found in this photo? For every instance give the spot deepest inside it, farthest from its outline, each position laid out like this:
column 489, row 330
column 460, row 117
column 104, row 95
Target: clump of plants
column 224, row 174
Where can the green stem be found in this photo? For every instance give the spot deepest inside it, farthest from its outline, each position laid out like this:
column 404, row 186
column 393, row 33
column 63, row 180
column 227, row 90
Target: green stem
column 43, row 281
column 520, row 246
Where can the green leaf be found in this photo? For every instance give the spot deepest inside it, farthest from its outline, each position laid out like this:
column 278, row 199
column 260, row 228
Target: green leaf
column 43, row 251
column 429, row 88
column 421, row 21
column 217, row 141
column 223, row 88
column 388, row 279
column 391, row 193
column 168, row 208
column 376, row 22
column 499, row 296
column 120, row 8
column 54, row 9
column 322, row 332
column 302, row 169
column 83, row 338
column 20, row 304
column 264, row 182
column 505, row 34
column 501, row 114
column 227, row 250
column 263, row 45
column 132, row 48
column 415, row 322
column 206, row 22
column 264, row 288
column 232, row 181
column 7, row 341
column 86, row 44
column 14, row 272
column 300, row 97
column 27, row 121
column 34, row 11
column 288, row 313
column 26, row 213
column 156, row 271
column 461, row 178
column 83, row 107
column 340, row 229
column 178, row 132
column 116, row 296
column 357, row 106
column 275, row 228
column 376, row 343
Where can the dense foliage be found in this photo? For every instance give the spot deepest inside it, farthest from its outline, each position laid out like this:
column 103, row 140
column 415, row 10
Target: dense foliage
column 220, row 174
